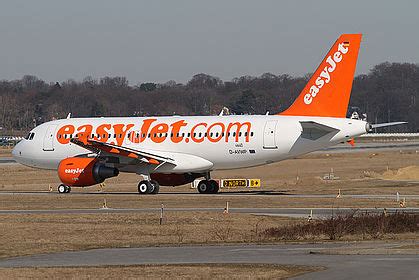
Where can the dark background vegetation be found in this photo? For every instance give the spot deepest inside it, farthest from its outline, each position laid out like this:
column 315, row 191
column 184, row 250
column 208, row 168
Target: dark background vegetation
column 389, row 92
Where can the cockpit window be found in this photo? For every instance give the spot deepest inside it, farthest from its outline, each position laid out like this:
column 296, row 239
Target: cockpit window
column 30, row 136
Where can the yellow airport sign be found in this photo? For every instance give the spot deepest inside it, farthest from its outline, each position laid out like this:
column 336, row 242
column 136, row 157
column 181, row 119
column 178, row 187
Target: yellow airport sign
column 234, row 183
column 254, row 183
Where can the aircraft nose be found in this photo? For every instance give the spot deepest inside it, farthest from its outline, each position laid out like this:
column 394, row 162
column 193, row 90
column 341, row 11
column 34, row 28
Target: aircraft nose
column 17, row 151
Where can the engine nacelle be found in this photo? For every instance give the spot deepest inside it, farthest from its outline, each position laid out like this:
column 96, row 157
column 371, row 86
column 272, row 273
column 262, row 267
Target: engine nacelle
column 83, row 172
column 174, row 179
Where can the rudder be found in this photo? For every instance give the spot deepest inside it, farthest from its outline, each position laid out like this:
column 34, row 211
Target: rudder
column 328, row 91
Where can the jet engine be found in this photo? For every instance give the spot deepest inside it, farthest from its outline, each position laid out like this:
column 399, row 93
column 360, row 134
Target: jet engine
column 83, row 172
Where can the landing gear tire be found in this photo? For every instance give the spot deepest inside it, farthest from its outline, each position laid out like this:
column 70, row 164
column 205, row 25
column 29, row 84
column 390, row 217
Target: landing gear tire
column 156, row 187
column 203, row 186
column 214, row 187
column 208, row 187
column 64, row 189
column 148, row 187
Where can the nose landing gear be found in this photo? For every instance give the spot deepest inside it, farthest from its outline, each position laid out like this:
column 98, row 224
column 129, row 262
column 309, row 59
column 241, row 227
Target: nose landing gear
column 64, row 188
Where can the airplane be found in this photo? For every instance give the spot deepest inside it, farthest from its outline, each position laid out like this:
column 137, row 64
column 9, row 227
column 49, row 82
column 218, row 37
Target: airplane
column 176, row 150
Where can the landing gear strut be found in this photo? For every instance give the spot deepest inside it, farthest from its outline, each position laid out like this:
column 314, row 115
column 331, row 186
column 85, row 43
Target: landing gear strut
column 148, row 187
column 208, row 187
column 64, row 188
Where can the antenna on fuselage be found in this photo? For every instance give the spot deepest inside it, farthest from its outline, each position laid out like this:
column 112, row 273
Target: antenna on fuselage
column 267, row 113
column 68, row 116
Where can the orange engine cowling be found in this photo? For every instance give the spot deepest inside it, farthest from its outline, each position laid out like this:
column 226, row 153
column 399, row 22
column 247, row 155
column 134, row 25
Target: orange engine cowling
column 83, row 172
column 174, row 179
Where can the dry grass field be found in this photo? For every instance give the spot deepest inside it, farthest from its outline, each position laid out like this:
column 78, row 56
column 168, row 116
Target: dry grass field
column 202, row 271
column 27, row 234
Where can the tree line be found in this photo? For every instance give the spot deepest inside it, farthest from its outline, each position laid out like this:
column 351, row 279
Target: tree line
column 389, row 92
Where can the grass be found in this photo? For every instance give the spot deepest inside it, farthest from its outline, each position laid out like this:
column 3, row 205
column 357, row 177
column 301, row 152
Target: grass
column 199, row 271
column 366, row 225
column 37, row 233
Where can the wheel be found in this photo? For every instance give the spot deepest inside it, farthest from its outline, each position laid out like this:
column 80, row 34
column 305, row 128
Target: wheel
column 62, row 188
column 145, row 187
column 156, row 186
column 203, row 186
column 67, row 189
column 214, row 187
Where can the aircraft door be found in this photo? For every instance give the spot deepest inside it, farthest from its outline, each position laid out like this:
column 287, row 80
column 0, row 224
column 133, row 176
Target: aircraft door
column 49, row 138
column 269, row 135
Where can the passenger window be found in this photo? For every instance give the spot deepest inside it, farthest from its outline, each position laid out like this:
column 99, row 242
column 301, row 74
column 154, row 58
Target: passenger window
column 240, row 134
column 251, row 133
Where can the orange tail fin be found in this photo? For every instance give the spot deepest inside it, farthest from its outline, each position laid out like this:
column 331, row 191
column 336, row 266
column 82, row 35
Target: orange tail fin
column 328, row 91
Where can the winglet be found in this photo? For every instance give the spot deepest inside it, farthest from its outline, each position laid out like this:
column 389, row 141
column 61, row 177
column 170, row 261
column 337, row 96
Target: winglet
column 328, row 91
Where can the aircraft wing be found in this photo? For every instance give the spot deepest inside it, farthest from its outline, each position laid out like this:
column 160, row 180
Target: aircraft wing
column 313, row 130
column 107, row 149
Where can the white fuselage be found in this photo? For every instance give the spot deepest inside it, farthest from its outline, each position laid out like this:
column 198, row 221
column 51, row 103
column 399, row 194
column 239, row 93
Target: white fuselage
column 202, row 143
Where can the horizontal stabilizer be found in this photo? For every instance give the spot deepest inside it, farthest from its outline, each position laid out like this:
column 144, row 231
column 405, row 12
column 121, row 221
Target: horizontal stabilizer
column 378, row 125
column 313, row 130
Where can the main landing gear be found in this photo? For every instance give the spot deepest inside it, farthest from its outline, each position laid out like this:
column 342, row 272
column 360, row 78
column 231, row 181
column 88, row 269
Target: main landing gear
column 148, row 187
column 64, row 188
column 208, row 187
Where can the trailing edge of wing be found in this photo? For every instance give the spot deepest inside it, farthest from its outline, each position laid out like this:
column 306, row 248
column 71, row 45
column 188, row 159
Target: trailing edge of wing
column 313, row 130
column 99, row 147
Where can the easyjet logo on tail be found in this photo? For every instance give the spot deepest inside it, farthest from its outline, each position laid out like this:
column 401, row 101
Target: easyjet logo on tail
column 325, row 75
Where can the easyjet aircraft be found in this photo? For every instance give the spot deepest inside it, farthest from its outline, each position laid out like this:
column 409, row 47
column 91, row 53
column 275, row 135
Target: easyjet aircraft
column 175, row 150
